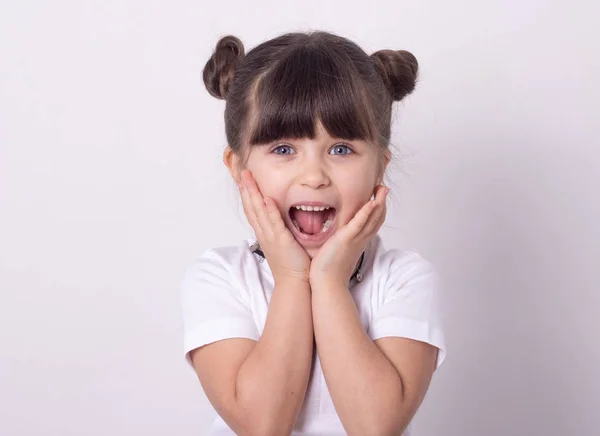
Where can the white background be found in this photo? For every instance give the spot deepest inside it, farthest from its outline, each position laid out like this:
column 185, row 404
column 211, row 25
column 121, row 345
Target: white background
column 111, row 181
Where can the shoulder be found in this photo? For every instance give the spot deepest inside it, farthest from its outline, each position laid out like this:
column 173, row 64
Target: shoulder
column 216, row 300
column 219, row 272
column 397, row 266
column 219, row 261
column 407, row 298
column 218, row 278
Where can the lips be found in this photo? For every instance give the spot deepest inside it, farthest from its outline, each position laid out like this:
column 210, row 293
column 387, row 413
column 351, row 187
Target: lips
column 311, row 222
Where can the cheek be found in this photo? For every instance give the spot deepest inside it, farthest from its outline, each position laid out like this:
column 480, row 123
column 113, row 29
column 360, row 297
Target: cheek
column 263, row 178
column 358, row 178
column 269, row 187
column 269, row 180
column 357, row 192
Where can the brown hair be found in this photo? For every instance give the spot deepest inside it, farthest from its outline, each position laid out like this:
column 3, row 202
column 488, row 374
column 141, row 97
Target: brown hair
column 283, row 86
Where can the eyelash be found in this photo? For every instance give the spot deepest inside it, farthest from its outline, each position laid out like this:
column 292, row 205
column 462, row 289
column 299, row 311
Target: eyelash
column 333, row 148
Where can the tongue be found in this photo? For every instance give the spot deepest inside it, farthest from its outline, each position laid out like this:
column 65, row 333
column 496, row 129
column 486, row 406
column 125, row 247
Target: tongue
column 310, row 222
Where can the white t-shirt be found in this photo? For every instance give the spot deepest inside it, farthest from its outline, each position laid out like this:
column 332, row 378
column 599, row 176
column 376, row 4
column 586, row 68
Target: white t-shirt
column 225, row 293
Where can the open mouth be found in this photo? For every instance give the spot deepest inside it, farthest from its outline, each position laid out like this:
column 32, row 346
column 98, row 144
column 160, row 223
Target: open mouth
column 312, row 222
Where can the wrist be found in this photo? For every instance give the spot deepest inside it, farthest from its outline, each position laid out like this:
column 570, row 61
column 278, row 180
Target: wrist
column 291, row 281
column 327, row 281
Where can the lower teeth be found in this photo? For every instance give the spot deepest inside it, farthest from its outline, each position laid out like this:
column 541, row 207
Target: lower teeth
column 325, row 227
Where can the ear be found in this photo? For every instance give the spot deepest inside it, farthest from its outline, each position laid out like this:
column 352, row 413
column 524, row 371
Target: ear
column 233, row 163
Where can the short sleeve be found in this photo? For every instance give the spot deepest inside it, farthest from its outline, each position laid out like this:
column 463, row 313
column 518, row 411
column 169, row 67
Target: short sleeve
column 410, row 306
column 213, row 307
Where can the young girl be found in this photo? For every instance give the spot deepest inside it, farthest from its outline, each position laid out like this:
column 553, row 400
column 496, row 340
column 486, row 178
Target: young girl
column 311, row 326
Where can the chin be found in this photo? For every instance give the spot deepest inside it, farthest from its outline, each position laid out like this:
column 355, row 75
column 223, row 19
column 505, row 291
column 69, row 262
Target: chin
column 312, row 252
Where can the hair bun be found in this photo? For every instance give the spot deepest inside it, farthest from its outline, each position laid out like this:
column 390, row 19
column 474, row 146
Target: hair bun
column 220, row 69
column 398, row 68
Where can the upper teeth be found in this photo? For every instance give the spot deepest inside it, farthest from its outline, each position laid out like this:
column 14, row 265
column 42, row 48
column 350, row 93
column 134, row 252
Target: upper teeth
column 312, row 208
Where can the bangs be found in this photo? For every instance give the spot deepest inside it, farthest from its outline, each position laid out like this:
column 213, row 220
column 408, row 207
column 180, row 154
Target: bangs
column 311, row 84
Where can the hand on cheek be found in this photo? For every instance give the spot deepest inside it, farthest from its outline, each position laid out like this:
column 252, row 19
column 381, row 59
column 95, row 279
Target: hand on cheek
column 337, row 258
column 287, row 259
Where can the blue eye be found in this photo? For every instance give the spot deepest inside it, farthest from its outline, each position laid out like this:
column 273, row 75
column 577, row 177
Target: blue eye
column 281, row 150
column 341, row 150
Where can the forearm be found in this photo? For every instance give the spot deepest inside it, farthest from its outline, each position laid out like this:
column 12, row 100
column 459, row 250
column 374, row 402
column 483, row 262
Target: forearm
column 364, row 385
column 272, row 381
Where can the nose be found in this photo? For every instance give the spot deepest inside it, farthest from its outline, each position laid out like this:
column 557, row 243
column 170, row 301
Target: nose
column 314, row 174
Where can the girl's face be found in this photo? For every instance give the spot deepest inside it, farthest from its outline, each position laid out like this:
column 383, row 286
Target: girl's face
column 324, row 173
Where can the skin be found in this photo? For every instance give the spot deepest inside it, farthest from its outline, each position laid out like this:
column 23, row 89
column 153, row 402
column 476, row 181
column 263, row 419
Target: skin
column 344, row 174
column 376, row 386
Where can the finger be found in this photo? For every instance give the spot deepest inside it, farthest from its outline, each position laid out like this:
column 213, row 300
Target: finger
column 367, row 219
column 247, row 203
column 258, row 203
column 274, row 215
column 244, row 197
column 378, row 216
column 357, row 223
column 248, row 209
